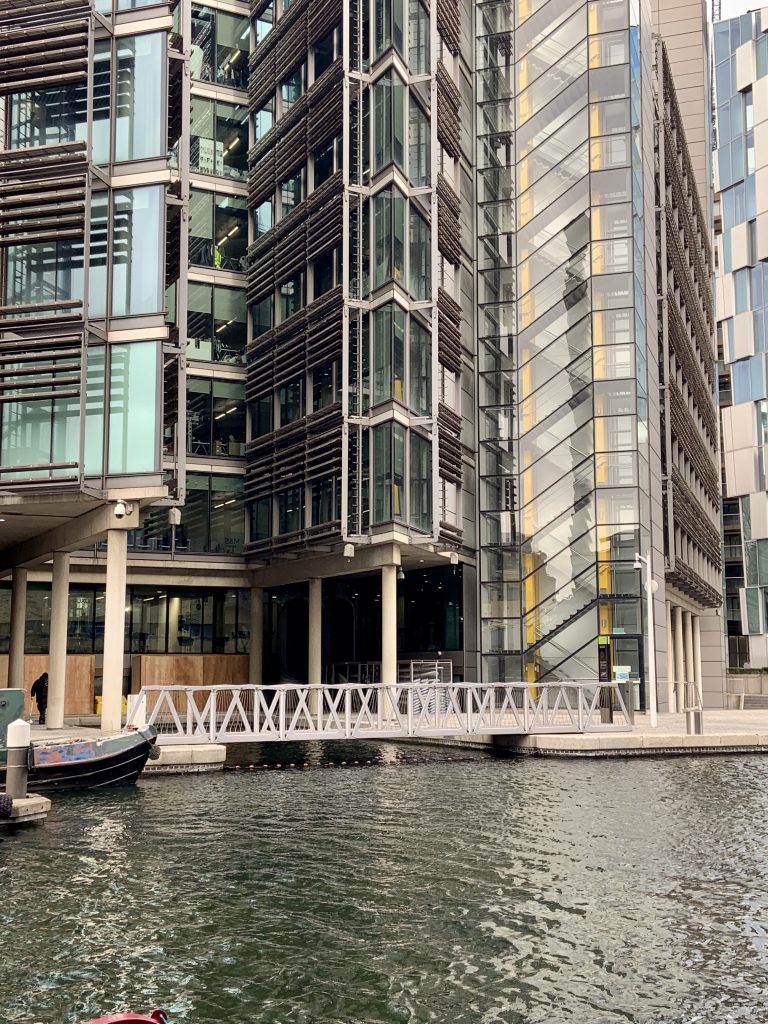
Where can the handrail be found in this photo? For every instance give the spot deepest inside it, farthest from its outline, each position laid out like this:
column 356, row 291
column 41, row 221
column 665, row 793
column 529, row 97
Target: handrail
column 296, row 711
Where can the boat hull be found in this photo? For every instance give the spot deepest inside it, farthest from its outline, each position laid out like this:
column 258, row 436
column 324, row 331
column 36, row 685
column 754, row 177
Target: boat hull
column 87, row 764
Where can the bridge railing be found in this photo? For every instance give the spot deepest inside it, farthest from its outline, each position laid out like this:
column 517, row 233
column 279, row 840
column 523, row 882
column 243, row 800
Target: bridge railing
column 230, row 714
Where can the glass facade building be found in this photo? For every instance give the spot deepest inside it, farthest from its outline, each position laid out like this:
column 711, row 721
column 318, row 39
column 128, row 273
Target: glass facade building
column 367, row 287
column 741, row 93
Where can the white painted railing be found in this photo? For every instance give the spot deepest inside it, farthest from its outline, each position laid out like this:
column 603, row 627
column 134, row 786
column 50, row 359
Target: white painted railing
column 258, row 714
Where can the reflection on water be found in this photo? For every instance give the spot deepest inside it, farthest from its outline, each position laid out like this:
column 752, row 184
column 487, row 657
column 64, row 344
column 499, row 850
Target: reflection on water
column 431, row 885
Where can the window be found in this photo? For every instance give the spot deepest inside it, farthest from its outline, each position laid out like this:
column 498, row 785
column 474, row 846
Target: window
column 139, row 127
column 418, row 38
column 326, row 272
column 388, row 353
column 133, row 429
column 326, row 385
column 263, row 217
column 263, row 120
column 419, row 256
column 262, row 421
column 388, row 26
column 291, row 192
column 326, row 501
column 218, row 230
column 389, row 237
column 382, row 473
column 420, row 483
column 290, row 511
column 213, row 517
column 388, row 119
column 137, row 247
column 219, row 47
column 291, row 296
column 263, row 316
column 420, row 368
column 292, row 88
column 325, row 52
column 290, row 402
column 418, row 145
column 265, row 22
column 261, row 519
column 43, row 272
column 215, row 418
column 326, row 161
column 219, row 138
column 216, row 323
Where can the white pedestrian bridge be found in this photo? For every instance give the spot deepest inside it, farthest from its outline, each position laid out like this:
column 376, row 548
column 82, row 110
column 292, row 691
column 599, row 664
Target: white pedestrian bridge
column 370, row 711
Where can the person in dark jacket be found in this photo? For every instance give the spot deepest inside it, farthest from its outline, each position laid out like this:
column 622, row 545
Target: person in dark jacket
column 40, row 693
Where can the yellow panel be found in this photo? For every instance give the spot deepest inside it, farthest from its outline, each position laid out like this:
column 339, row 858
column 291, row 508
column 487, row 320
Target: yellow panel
column 606, row 618
column 595, row 155
column 523, row 10
column 594, row 120
column 601, row 474
column 592, row 18
column 605, row 578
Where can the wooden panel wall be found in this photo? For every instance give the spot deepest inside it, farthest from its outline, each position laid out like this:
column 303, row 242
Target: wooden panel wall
column 188, row 670
column 81, row 672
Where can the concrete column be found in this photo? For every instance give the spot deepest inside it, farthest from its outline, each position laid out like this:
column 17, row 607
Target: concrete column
column 697, row 655
column 679, row 657
column 18, row 629
column 256, row 659
column 315, row 644
column 389, row 624
column 114, row 631
column 670, row 659
column 688, row 629
column 57, row 647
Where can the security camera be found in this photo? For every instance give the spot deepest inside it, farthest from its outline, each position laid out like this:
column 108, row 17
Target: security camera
column 120, row 510
column 349, row 550
column 454, row 558
column 637, row 564
column 174, row 516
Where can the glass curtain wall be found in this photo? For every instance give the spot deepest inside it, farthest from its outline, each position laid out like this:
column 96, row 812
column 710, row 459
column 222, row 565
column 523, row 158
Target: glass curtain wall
column 560, row 432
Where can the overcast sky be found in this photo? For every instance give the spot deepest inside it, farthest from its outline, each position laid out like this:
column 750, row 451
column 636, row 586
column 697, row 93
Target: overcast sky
column 730, row 8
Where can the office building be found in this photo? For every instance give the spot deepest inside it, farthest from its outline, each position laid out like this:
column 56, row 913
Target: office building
column 439, row 401
column 741, row 174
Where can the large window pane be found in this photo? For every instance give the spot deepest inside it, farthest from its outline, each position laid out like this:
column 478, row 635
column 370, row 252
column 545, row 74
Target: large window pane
column 382, row 473
column 232, row 140
column 203, row 49
column 228, row 418
column 140, row 71
column 200, row 321
column 227, row 515
column 232, row 39
column 137, row 251
column 133, row 431
column 230, row 318
column 290, row 511
column 230, row 232
column 201, row 228
column 420, row 495
column 420, row 369
column 419, row 255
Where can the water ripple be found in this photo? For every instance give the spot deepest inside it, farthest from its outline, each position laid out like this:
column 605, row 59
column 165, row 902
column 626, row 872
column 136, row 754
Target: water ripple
column 426, row 886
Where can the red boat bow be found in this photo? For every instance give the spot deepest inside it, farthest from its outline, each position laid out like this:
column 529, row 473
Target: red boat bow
column 156, row 1017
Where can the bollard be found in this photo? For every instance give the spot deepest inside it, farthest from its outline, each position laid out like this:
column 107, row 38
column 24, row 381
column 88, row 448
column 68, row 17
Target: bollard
column 16, row 765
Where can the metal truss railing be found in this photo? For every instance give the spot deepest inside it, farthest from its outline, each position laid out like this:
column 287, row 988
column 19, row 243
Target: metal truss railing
column 258, row 714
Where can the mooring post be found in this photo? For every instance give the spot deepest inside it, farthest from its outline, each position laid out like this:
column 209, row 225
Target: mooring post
column 18, row 752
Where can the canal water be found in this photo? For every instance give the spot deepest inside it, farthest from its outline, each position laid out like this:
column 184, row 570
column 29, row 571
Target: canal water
column 427, row 885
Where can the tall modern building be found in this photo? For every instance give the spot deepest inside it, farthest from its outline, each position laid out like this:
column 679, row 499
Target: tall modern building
column 390, row 324
column 741, row 177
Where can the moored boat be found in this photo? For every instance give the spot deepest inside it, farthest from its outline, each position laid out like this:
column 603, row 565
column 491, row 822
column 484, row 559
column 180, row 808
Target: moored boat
column 79, row 763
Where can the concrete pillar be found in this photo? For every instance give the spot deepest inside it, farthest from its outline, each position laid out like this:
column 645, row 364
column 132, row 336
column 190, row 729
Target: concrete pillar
column 256, row 659
column 697, row 655
column 689, row 669
column 18, row 629
column 389, row 624
column 57, row 647
column 114, row 631
column 670, row 659
column 679, row 657
column 315, row 643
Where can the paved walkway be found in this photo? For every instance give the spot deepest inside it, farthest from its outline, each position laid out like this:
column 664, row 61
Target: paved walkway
column 724, row 731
